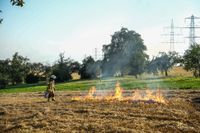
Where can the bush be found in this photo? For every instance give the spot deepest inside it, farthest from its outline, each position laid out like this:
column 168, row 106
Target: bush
column 31, row 78
column 3, row 83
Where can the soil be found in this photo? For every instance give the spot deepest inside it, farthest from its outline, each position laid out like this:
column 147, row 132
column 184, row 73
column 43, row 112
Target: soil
column 30, row 112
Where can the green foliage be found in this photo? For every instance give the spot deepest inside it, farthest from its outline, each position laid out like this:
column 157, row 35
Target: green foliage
column 39, row 70
column 3, row 83
column 36, row 68
column 192, row 59
column 1, row 19
column 62, row 69
column 18, row 68
column 17, row 2
column 4, row 72
column 125, row 54
column 14, row 3
column 75, row 66
column 163, row 62
column 31, row 78
column 89, row 68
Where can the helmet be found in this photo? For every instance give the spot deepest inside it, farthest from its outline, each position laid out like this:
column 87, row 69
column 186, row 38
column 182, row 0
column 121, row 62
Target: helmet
column 53, row 77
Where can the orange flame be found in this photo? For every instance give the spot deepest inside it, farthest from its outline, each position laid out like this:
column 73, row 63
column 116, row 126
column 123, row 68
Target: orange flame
column 76, row 98
column 159, row 97
column 91, row 93
column 89, row 96
column 118, row 91
column 138, row 95
column 148, row 95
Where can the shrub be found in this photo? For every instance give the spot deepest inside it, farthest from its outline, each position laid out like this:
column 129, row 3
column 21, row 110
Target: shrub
column 31, row 78
column 3, row 83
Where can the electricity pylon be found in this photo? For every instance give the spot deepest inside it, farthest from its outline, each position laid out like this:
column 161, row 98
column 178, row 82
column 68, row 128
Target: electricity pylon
column 172, row 36
column 192, row 36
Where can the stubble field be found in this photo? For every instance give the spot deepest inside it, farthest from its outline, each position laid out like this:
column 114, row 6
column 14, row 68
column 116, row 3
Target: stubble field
column 30, row 112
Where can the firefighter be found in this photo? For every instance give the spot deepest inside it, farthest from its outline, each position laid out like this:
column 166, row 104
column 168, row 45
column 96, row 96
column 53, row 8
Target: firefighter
column 51, row 88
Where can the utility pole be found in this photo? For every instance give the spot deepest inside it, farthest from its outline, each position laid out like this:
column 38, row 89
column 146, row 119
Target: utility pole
column 98, row 55
column 192, row 28
column 95, row 54
column 172, row 36
column 102, row 54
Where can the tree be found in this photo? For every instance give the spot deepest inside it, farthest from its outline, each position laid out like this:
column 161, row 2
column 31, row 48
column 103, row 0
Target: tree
column 125, row 53
column 152, row 66
column 36, row 72
column 191, row 59
column 137, row 63
column 62, row 69
column 163, row 62
column 1, row 19
column 17, row 2
column 18, row 68
column 88, row 68
column 75, row 66
column 14, row 3
column 36, row 68
column 4, row 72
column 47, row 70
column 31, row 78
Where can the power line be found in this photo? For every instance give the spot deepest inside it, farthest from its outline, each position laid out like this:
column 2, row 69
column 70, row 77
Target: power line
column 172, row 36
column 97, row 54
column 192, row 27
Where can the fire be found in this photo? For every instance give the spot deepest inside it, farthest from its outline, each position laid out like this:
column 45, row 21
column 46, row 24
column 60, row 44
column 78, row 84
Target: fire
column 159, row 97
column 137, row 95
column 148, row 95
column 91, row 93
column 76, row 98
column 88, row 97
column 118, row 91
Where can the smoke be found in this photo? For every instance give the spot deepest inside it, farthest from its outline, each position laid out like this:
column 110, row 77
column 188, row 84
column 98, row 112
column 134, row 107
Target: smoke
column 125, row 55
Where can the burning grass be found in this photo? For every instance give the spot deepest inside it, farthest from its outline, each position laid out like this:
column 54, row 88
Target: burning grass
column 30, row 112
column 137, row 95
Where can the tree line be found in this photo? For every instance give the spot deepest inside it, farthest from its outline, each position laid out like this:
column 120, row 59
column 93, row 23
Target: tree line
column 125, row 55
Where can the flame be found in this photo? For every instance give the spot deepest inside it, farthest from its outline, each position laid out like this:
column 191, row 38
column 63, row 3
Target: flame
column 89, row 96
column 76, row 98
column 159, row 97
column 91, row 93
column 149, row 95
column 137, row 95
column 118, row 91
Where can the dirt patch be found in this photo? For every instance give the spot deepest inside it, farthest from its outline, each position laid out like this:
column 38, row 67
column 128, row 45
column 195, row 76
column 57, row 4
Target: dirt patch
column 30, row 112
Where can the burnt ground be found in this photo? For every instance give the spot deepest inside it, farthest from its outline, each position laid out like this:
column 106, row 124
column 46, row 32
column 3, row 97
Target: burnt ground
column 30, row 112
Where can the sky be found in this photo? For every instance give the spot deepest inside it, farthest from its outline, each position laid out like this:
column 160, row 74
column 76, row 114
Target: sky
column 44, row 28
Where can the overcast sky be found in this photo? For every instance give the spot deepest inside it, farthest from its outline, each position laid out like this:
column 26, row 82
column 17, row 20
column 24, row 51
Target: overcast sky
column 43, row 28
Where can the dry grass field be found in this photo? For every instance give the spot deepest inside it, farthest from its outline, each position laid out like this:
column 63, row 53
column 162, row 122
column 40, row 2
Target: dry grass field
column 179, row 71
column 30, row 112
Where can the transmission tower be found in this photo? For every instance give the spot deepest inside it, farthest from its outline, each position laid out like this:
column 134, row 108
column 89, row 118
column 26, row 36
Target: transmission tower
column 95, row 54
column 172, row 36
column 192, row 28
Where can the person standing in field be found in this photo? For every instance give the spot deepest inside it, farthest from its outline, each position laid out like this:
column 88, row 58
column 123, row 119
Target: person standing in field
column 51, row 88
